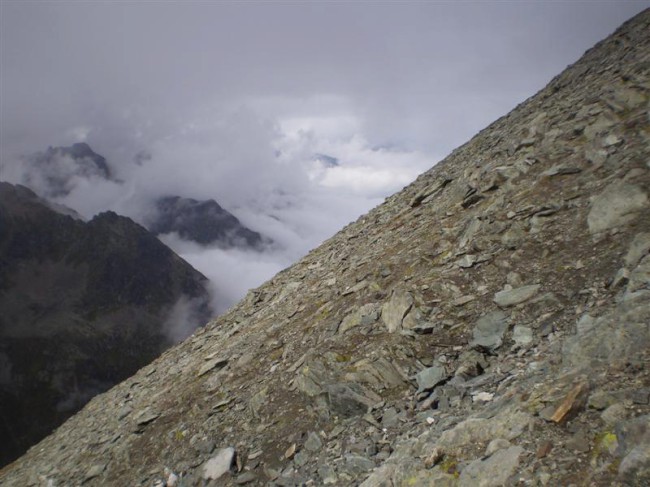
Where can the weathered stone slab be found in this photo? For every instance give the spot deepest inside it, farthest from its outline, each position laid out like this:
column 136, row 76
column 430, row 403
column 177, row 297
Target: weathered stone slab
column 516, row 296
column 618, row 204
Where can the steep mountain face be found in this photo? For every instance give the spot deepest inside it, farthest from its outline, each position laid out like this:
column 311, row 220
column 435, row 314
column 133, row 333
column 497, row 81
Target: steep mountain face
column 488, row 325
column 55, row 172
column 84, row 305
column 204, row 222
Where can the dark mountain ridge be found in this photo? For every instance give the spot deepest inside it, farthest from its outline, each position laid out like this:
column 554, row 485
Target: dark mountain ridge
column 204, row 222
column 54, row 173
column 83, row 306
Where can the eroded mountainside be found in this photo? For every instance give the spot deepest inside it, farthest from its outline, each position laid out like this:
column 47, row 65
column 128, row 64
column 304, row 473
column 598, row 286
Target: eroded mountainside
column 84, row 306
column 488, row 325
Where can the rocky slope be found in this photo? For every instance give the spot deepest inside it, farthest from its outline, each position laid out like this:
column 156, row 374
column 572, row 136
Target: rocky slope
column 84, row 305
column 488, row 325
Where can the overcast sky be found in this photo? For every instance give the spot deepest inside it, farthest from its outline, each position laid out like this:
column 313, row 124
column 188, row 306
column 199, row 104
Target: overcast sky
column 236, row 100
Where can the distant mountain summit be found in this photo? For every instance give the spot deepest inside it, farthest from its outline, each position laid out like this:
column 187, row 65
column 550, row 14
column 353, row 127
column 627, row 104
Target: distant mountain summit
column 326, row 161
column 83, row 306
column 204, row 222
column 55, row 172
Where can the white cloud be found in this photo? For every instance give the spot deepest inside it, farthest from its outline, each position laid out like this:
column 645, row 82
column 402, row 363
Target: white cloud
column 235, row 101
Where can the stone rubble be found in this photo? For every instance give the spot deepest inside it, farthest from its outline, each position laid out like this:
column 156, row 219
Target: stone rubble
column 475, row 329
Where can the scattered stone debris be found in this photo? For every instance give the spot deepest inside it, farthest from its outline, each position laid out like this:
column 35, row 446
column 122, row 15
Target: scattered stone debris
column 488, row 325
column 219, row 465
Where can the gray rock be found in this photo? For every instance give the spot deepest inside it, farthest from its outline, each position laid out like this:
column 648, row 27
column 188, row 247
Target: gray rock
column 611, row 338
column 630, row 97
column 358, row 464
column 600, row 400
column 618, row 204
column 639, row 278
column 424, row 327
column 632, row 433
column 612, row 140
column 380, row 373
column 561, row 170
column 489, row 331
column 310, row 378
column 245, row 478
column 145, row 417
column 493, row 471
column 463, row 300
column 614, row 414
column 258, row 400
column 512, row 237
column 634, row 446
column 596, row 155
column 635, row 466
column 124, row 412
column 394, row 310
column 516, row 296
column 414, row 320
column 640, row 396
column 428, row 378
column 301, row 458
column 204, row 445
column 470, row 231
column 313, row 442
column 327, row 475
column 365, row 315
column 600, row 125
column 466, row 261
column 430, row 191
column 496, row 445
column 471, row 363
column 94, row 471
column 214, row 363
column 579, row 442
column 522, row 335
column 356, row 288
column 622, row 278
column 639, row 247
column 219, row 464
column 349, row 400
column 389, row 417
column 508, row 424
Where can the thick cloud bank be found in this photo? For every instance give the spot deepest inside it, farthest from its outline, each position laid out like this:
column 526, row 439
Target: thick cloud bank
column 272, row 178
column 297, row 118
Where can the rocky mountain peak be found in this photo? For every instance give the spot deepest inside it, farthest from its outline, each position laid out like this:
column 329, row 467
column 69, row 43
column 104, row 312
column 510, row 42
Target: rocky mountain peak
column 54, row 171
column 488, row 325
column 204, row 222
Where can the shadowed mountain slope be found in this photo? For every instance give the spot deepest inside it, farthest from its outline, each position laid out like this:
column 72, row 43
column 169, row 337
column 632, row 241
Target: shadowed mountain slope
column 488, row 325
column 84, row 305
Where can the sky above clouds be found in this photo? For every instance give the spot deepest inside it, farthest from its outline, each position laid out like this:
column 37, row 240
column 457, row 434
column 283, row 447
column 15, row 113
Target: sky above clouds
column 236, row 101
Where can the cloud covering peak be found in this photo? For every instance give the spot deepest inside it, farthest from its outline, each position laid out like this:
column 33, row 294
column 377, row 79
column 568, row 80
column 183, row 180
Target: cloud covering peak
column 236, row 102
